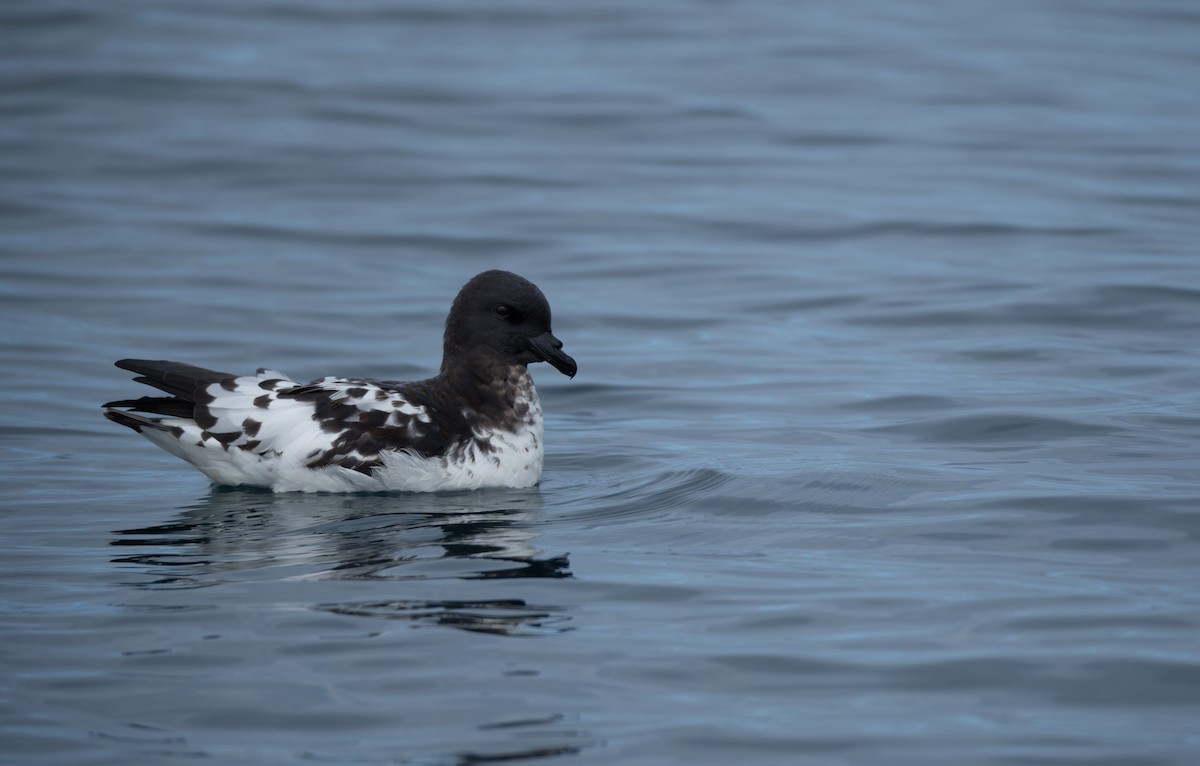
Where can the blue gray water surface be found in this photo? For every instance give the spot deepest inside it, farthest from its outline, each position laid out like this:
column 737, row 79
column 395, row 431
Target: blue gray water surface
column 883, row 448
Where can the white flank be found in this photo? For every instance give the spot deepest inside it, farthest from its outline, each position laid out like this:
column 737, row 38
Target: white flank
column 288, row 436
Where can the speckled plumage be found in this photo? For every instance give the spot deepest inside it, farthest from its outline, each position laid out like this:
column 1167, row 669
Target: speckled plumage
column 478, row 423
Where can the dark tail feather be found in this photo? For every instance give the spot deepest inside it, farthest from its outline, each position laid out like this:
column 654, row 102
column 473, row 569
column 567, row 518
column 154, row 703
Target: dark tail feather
column 182, row 381
column 175, row 378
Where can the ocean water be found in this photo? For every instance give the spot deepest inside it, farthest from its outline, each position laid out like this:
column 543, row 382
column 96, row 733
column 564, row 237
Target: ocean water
column 884, row 449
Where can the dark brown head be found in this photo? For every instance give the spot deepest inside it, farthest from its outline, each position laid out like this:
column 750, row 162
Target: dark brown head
column 499, row 316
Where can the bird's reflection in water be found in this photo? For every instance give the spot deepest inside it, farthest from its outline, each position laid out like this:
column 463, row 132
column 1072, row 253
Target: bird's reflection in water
column 236, row 535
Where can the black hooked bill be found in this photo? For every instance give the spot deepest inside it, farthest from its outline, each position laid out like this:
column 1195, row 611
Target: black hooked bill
column 549, row 349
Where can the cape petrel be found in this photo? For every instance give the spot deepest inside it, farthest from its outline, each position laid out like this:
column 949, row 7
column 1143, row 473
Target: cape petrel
column 477, row 423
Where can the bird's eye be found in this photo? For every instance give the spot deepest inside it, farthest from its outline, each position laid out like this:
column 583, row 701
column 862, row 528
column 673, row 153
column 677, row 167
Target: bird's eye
column 503, row 311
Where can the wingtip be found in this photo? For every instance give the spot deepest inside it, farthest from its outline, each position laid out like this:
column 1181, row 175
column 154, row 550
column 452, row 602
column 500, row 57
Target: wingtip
column 131, row 420
column 122, row 418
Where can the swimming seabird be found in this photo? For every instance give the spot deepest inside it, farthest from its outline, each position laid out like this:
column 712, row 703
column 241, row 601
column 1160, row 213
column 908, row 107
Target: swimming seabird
column 477, row 423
